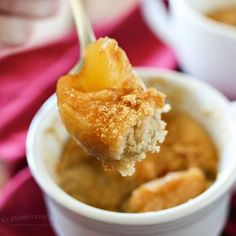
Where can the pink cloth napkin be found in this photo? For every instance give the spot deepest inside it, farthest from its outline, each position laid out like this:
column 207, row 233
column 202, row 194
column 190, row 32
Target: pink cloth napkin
column 26, row 81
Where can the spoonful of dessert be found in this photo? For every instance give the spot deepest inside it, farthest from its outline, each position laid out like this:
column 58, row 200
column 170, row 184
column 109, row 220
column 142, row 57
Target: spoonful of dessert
column 105, row 106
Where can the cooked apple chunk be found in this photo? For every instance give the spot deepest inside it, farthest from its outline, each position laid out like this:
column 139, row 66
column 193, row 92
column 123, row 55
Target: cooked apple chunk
column 108, row 111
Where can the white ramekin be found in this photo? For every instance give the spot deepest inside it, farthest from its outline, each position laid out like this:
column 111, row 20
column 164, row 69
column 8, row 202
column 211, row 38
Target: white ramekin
column 205, row 48
column 203, row 215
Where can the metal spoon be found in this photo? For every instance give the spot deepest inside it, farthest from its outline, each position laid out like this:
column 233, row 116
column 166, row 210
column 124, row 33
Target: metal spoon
column 85, row 33
column 84, row 30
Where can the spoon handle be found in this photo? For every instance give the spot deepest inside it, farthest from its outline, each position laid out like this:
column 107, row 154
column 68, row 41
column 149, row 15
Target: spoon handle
column 84, row 28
